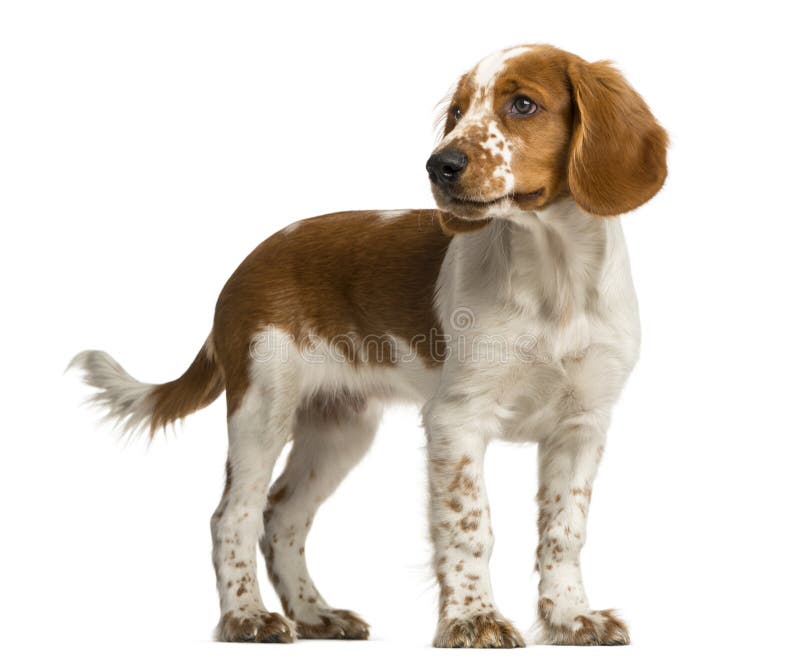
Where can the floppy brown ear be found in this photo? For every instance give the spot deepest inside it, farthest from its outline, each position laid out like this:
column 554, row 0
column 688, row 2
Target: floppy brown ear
column 618, row 153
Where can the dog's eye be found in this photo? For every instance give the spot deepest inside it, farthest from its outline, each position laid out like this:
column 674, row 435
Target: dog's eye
column 523, row 106
column 457, row 113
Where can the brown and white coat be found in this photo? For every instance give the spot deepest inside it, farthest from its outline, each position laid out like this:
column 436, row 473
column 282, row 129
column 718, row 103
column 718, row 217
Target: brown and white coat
column 508, row 313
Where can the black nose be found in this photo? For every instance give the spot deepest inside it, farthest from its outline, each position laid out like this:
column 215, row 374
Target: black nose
column 446, row 166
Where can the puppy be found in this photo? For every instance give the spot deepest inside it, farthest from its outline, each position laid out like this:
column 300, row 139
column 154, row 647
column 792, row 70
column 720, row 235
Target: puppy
column 508, row 313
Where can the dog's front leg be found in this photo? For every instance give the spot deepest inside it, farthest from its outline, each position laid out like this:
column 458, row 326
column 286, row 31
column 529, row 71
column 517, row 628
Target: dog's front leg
column 461, row 531
column 568, row 461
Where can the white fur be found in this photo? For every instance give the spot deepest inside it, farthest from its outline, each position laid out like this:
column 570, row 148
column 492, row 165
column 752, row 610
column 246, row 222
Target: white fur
column 292, row 227
column 316, row 366
column 124, row 399
column 487, row 70
column 392, row 214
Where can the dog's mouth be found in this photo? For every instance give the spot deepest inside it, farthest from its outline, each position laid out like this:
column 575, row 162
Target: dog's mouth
column 519, row 198
column 468, row 207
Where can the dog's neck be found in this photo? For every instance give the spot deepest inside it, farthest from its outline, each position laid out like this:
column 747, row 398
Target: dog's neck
column 553, row 258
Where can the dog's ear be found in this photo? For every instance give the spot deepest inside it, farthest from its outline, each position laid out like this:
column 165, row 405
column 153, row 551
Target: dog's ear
column 618, row 152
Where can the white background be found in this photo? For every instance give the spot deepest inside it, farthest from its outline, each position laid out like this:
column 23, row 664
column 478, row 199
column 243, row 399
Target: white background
column 146, row 147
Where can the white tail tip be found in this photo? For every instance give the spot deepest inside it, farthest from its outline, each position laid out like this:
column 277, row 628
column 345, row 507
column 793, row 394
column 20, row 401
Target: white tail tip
column 125, row 400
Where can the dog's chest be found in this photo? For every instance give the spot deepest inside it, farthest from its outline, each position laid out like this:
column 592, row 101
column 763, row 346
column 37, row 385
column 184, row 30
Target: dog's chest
column 522, row 367
column 554, row 324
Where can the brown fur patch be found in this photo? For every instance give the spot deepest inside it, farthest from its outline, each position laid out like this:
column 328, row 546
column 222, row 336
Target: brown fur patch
column 199, row 385
column 455, row 505
column 351, row 273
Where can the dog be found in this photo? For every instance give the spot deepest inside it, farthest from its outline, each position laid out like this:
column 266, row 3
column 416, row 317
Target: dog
column 508, row 312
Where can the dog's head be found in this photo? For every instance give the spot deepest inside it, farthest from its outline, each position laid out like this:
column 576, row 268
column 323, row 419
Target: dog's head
column 533, row 124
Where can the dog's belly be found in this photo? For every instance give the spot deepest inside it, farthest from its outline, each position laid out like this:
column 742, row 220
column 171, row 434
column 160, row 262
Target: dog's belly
column 517, row 394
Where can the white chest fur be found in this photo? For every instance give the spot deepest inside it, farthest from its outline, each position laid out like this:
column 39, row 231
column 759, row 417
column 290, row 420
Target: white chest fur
column 542, row 319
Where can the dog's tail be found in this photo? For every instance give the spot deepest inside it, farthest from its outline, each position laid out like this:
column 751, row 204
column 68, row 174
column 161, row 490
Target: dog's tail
column 135, row 406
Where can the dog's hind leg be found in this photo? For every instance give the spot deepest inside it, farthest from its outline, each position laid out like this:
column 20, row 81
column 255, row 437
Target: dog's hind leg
column 258, row 429
column 330, row 437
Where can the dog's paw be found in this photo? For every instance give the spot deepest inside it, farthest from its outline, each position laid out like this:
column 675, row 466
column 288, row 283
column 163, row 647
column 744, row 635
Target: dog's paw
column 333, row 625
column 255, row 626
column 558, row 626
column 482, row 630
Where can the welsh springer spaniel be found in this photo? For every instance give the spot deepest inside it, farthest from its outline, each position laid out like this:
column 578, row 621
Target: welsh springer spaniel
column 507, row 313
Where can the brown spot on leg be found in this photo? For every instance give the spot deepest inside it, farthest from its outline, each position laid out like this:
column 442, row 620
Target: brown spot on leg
column 455, row 505
column 467, row 524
